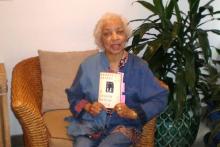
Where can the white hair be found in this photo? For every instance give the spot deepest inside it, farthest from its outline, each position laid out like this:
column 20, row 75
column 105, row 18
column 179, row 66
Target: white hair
column 98, row 28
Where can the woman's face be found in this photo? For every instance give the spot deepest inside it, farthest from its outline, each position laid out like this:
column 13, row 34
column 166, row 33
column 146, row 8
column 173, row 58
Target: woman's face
column 113, row 36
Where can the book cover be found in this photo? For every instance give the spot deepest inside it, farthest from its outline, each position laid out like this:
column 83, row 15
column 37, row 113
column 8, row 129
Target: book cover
column 110, row 88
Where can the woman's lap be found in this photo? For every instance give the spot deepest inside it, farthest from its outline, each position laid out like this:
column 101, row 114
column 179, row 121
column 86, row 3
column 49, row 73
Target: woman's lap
column 112, row 140
column 115, row 140
column 83, row 141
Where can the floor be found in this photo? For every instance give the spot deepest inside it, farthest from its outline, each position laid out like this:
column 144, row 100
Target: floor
column 17, row 141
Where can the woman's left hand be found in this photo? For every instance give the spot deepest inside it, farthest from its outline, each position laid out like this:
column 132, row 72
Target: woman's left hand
column 124, row 111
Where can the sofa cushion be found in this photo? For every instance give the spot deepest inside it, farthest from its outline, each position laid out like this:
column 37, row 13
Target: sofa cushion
column 54, row 121
column 58, row 70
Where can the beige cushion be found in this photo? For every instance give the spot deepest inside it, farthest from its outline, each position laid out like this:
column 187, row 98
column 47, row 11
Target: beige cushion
column 54, row 142
column 58, row 70
column 56, row 126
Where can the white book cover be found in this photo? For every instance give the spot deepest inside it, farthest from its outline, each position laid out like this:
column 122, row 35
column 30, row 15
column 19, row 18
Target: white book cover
column 110, row 89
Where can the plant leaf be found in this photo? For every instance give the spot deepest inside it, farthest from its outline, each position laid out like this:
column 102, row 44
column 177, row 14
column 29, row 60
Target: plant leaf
column 180, row 90
column 190, row 67
column 204, row 44
column 209, row 8
column 208, row 3
column 138, row 48
column 217, row 50
column 169, row 10
column 152, row 48
column 159, row 6
column 216, row 12
column 176, row 29
column 177, row 10
column 149, row 6
column 143, row 28
column 193, row 6
column 215, row 31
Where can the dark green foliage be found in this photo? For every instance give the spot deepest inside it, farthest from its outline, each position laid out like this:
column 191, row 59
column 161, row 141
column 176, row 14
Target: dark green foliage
column 178, row 50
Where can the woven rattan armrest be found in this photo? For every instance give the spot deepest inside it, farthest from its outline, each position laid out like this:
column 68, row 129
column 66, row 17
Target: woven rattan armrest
column 147, row 136
column 31, row 120
column 26, row 104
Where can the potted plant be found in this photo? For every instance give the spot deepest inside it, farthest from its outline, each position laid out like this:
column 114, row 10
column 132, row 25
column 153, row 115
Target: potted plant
column 178, row 51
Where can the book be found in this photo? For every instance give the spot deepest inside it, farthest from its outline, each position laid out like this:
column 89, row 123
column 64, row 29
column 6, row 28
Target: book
column 110, row 88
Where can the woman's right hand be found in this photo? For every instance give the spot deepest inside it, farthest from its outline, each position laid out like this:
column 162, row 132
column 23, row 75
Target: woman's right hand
column 94, row 108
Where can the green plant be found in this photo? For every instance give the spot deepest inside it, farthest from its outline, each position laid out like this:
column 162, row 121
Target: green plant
column 177, row 48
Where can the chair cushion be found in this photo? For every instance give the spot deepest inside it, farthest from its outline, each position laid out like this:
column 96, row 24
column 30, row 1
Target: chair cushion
column 56, row 126
column 54, row 142
column 58, row 69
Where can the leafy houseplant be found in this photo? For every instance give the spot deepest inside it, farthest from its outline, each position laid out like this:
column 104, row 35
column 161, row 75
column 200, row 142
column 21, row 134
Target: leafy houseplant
column 178, row 51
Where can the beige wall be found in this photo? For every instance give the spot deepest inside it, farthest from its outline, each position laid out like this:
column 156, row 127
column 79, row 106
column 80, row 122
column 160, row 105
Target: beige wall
column 61, row 25
column 28, row 25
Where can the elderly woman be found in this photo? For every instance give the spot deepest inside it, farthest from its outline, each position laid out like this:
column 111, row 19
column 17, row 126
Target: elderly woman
column 94, row 125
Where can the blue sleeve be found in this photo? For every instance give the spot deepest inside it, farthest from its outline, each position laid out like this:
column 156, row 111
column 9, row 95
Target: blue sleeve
column 75, row 93
column 152, row 97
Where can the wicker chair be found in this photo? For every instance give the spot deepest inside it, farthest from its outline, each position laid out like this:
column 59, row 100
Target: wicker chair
column 26, row 104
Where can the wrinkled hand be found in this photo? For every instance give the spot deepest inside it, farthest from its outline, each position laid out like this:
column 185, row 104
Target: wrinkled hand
column 124, row 111
column 94, row 108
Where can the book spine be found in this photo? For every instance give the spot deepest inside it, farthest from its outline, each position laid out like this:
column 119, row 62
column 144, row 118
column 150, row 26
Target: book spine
column 122, row 100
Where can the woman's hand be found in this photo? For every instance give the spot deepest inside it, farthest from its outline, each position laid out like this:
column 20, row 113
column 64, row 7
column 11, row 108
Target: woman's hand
column 123, row 111
column 94, row 108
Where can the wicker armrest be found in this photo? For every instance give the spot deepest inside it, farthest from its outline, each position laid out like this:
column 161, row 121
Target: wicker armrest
column 148, row 134
column 26, row 106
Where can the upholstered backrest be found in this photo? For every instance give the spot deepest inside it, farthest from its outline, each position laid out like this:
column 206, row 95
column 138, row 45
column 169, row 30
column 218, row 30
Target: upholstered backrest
column 58, row 70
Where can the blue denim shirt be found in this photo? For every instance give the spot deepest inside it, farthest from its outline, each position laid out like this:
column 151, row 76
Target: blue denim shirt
column 143, row 94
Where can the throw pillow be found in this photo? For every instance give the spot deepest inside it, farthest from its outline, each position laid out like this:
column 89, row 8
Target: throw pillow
column 58, row 70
